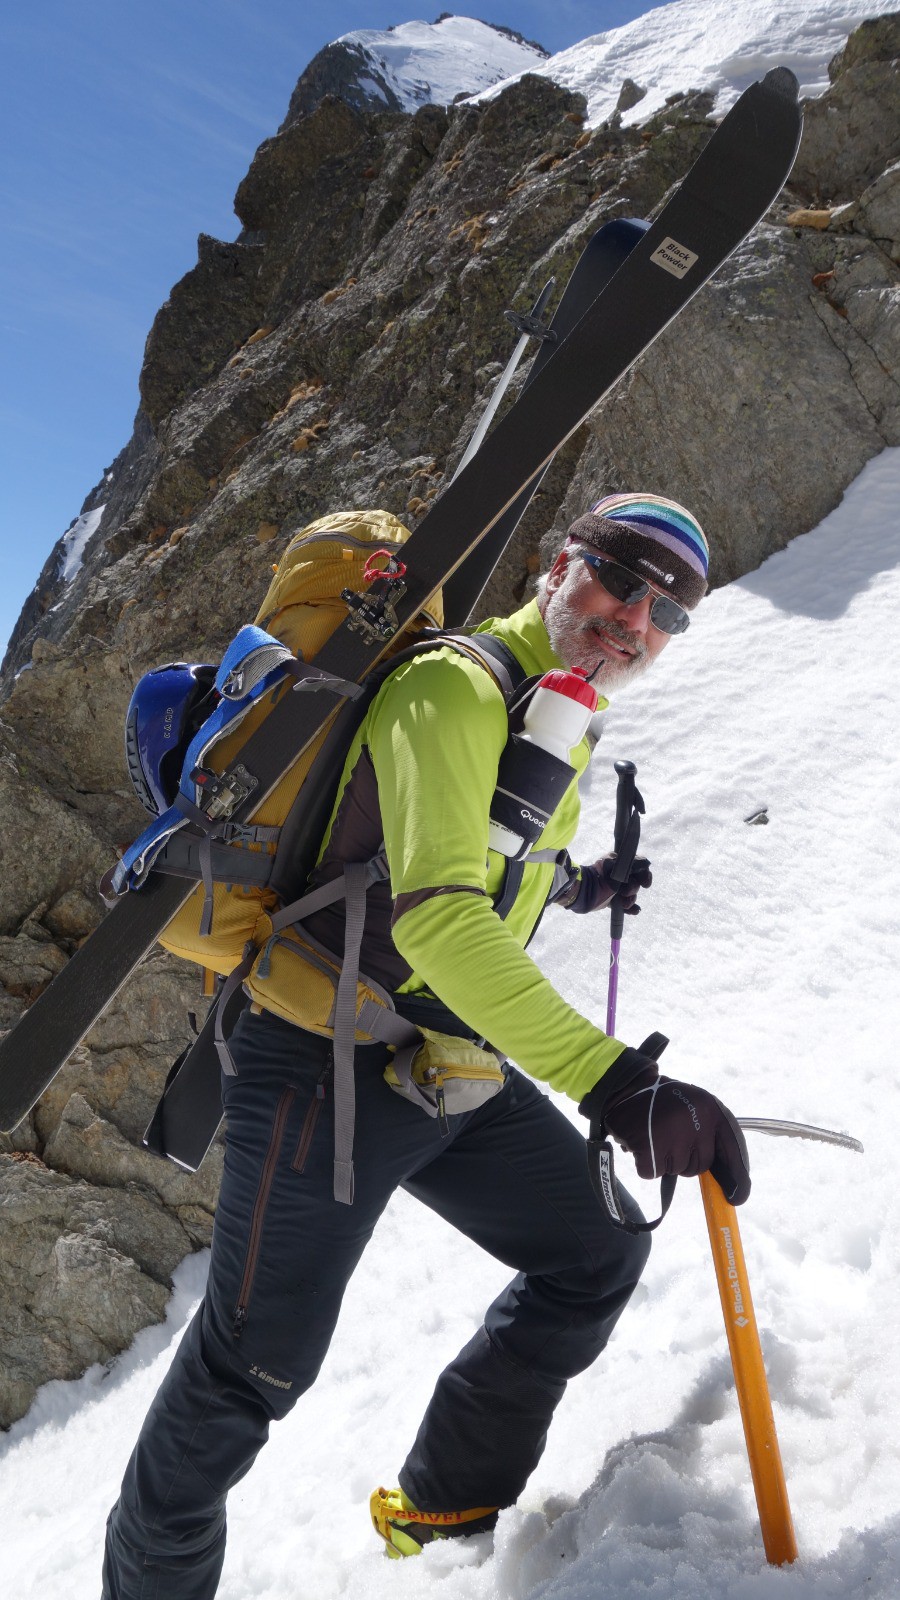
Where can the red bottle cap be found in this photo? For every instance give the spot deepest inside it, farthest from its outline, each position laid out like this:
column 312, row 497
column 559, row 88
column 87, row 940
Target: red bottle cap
column 574, row 684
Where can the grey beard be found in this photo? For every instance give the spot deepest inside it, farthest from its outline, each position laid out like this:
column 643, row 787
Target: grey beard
column 573, row 639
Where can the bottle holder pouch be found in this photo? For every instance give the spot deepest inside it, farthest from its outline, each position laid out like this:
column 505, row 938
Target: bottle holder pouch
column 530, row 785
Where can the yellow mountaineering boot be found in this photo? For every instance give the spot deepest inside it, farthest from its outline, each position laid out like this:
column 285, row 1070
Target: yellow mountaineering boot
column 405, row 1530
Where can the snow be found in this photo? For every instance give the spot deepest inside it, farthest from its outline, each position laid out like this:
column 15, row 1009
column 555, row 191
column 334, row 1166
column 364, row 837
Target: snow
column 769, row 955
column 75, row 542
column 707, row 44
column 433, row 62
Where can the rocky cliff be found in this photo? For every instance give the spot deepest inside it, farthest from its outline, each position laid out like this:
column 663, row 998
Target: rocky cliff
column 340, row 352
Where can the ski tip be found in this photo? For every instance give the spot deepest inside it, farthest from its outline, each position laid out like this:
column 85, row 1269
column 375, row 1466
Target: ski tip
column 781, row 80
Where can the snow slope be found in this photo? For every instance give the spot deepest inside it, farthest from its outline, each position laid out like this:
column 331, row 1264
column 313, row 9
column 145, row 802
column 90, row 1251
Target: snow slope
column 75, row 541
column 707, row 44
column 436, row 61
column 769, row 955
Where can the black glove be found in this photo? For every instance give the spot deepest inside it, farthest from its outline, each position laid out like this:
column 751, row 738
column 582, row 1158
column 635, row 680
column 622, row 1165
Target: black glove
column 676, row 1127
column 595, row 889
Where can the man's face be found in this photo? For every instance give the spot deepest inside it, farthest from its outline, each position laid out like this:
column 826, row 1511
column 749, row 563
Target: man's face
column 589, row 628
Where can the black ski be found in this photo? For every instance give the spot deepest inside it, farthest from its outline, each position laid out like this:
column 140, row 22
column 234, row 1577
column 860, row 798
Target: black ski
column 729, row 188
column 600, row 259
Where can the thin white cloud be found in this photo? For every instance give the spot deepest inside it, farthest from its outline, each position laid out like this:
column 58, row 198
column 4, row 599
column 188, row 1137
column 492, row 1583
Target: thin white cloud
column 258, row 116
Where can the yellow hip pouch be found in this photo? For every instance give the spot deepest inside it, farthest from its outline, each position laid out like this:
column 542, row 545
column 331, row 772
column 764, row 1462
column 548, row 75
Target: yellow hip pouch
column 445, row 1075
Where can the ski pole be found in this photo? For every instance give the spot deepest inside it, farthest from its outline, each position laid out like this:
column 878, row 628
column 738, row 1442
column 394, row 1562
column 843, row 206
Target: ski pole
column 750, row 1380
column 529, row 327
column 629, row 809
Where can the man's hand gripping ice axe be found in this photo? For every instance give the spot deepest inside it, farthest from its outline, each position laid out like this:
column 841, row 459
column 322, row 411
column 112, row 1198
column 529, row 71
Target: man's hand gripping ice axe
column 677, row 1129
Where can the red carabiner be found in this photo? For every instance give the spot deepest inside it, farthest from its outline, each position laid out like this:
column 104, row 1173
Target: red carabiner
column 394, row 568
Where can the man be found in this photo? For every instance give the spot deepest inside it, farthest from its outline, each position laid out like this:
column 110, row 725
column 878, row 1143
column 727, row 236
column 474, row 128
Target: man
column 511, row 1174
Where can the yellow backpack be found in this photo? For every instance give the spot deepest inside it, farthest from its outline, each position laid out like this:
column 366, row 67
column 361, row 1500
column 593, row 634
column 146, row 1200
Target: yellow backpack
column 244, row 920
column 302, row 608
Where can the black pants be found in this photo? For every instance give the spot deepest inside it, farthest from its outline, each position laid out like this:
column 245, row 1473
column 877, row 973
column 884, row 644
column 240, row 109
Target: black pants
column 512, row 1176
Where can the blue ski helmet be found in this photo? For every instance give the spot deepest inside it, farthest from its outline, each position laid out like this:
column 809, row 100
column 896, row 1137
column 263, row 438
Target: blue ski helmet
column 167, row 707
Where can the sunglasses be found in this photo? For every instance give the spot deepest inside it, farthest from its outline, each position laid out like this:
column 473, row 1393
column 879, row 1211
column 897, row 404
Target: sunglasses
column 665, row 614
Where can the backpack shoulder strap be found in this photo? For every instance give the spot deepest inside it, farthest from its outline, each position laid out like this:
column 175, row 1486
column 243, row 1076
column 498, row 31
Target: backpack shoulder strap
column 496, row 657
column 303, row 827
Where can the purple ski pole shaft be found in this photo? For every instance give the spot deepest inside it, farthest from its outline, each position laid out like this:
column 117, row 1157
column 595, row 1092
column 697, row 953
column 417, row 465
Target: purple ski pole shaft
column 612, row 993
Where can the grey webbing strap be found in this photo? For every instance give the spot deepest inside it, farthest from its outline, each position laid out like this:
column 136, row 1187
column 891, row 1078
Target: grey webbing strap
column 564, row 873
column 194, row 814
column 376, row 870
column 493, row 660
column 197, row 850
column 355, row 880
column 515, row 872
column 220, row 1005
column 388, row 1026
column 315, row 900
column 407, row 1039
column 325, row 895
column 402, row 1064
column 250, row 833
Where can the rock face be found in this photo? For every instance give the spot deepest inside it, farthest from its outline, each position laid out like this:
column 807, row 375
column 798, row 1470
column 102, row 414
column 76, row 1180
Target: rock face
column 83, row 1267
column 851, row 133
column 339, row 353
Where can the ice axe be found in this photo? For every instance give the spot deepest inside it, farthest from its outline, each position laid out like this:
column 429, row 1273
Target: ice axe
column 750, row 1382
column 743, row 1343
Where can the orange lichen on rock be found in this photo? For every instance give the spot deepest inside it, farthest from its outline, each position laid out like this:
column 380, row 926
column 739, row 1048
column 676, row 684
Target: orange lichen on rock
column 331, row 295
column 474, row 229
column 806, row 218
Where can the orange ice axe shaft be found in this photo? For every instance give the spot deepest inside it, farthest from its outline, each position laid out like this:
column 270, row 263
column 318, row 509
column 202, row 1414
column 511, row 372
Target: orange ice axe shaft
column 749, row 1375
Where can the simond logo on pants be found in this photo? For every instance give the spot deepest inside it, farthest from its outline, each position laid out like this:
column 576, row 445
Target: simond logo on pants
column 266, row 1377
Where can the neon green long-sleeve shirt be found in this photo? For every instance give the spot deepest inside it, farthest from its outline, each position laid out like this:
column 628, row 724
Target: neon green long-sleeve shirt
column 435, row 734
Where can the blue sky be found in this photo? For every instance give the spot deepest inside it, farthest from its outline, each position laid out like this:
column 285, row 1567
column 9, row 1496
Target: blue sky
column 125, row 129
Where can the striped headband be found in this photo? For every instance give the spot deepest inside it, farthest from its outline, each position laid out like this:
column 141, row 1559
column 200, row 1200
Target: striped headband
column 655, row 537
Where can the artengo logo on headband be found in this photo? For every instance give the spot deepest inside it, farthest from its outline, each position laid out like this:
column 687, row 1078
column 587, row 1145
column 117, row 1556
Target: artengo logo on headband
column 664, row 577
column 674, row 257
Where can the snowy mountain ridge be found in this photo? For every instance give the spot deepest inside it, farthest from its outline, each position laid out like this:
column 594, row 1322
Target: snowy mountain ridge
column 687, row 44
column 707, row 44
column 436, row 61
column 414, row 64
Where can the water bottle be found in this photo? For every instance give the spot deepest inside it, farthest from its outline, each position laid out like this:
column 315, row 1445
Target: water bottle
column 535, row 770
